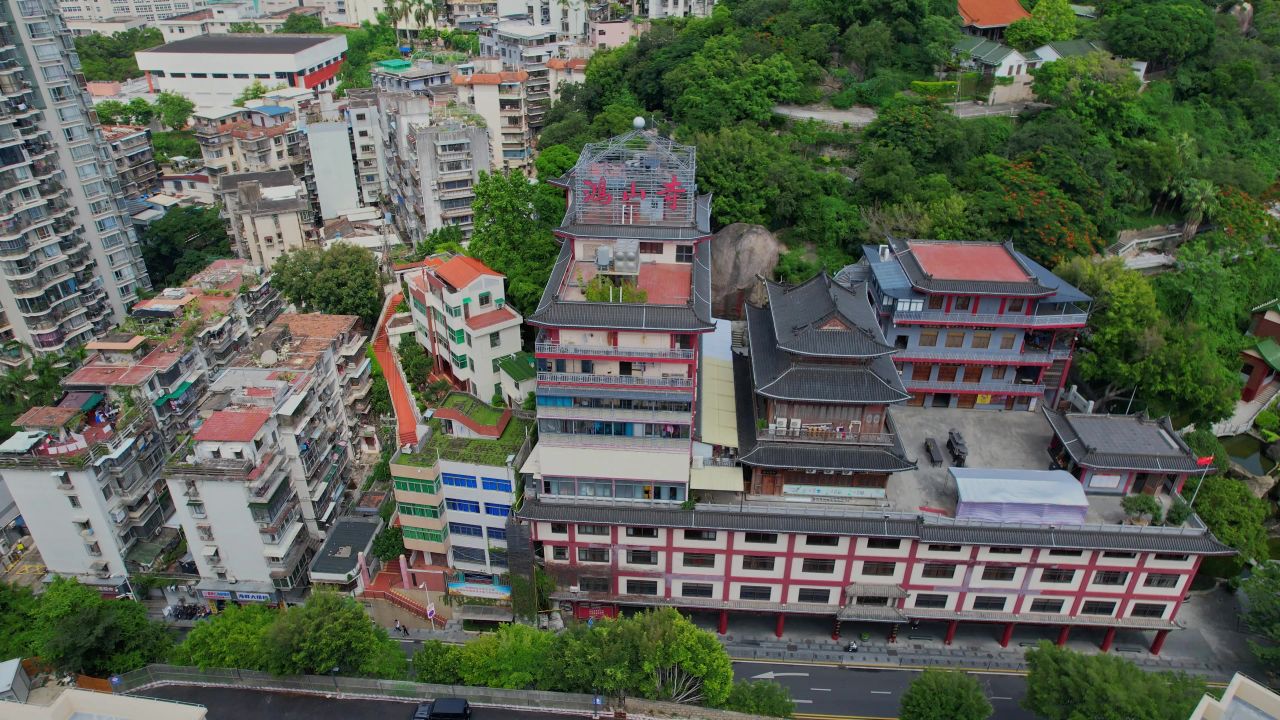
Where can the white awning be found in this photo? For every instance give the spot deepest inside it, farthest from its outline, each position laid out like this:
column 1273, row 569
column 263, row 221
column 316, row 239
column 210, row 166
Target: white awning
column 715, row 477
column 719, row 414
column 531, row 464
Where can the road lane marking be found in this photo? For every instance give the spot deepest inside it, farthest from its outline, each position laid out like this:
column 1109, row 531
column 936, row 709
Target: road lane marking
column 771, row 675
column 802, row 702
column 997, row 697
column 820, row 689
column 881, row 692
column 820, row 716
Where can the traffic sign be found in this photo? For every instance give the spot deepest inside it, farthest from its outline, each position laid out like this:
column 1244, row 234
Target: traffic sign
column 431, row 611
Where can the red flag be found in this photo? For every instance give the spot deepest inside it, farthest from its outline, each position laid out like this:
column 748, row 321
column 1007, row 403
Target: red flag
column 1204, row 460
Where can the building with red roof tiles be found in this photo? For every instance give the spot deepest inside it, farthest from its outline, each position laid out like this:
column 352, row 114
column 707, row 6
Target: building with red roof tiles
column 990, row 17
column 512, row 103
column 461, row 317
column 237, row 426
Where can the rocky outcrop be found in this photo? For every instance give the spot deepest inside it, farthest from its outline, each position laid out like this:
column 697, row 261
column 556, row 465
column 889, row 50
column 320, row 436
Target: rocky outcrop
column 739, row 253
column 1243, row 13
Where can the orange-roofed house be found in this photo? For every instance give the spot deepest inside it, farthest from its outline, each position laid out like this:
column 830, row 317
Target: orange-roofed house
column 512, row 103
column 989, row 18
column 461, row 316
column 974, row 324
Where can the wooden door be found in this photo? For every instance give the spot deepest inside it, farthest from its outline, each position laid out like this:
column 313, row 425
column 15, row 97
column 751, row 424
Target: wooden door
column 947, row 373
column 916, row 400
column 966, row 401
column 973, row 373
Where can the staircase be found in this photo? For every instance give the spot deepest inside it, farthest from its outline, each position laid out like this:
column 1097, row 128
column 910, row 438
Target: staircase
column 406, row 418
column 519, row 548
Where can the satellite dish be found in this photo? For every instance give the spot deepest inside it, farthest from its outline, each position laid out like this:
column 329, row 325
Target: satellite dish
column 269, row 357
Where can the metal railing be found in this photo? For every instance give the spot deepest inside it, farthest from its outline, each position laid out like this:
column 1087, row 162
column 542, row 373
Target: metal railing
column 986, row 388
column 981, row 355
column 636, row 380
column 824, row 436
column 562, row 349
column 994, row 319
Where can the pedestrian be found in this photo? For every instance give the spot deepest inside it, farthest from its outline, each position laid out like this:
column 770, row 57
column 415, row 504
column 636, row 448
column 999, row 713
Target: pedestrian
column 405, row 630
column 397, row 625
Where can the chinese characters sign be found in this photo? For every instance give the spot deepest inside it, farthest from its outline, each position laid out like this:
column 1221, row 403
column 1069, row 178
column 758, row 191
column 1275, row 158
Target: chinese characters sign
column 597, row 192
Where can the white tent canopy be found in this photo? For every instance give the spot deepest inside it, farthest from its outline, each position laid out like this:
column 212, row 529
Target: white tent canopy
column 1023, row 496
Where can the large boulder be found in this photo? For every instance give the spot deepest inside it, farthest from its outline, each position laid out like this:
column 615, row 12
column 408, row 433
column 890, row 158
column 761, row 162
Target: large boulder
column 739, row 253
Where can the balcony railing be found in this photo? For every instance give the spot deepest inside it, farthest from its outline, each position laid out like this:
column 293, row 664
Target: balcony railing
column 608, row 351
column 985, row 388
column 979, row 355
column 1008, row 319
column 615, row 442
column 819, row 435
column 626, row 380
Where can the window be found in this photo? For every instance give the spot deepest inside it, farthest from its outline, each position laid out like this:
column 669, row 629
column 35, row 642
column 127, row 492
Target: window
column 470, row 506
column 993, row 603
column 485, row 298
column 1005, row 551
column 704, row 535
column 936, row 302
column 455, row 480
column 981, row 339
column 1057, row 575
column 497, row 509
column 755, row 592
column 814, row 595
column 943, row 548
column 761, row 538
column 910, row 305
column 823, row 566
column 757, row 562
column 1065, row 553
column 1161, row 580
column 593, row 584
column 416, row 510
column 1097, row 607
column 1110, row 577
column 496, row 533
column 559, row 552
column 961, row 303
column 497, row 484
column 940, row 571
column 696, row 590
column 699, row 560
column 495, row 339
column 684, row 253
column 999, row 372
column 635, row 532
column 1044, row 605
column 593, row 555
column 928, row 338
column 998, row 574
column 593, row 529
column 879, row 569
column 642, row 557
column 559, row 528
column 1120, row 555
column 75, row 501
column 469, row 554
column 418, row 486
column 650, row 248
column 1015, row 305
column 1170, row 557
column 458, row 528
column 884, row 543
column 413, row 533
column 1148, row 610
column 642, row 587
column 822, row 540
column 1007, row 341
column 930, row 601
column 955, row 339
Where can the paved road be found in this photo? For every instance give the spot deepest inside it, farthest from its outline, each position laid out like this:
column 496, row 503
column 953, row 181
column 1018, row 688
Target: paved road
column 859, row 116
column 231, row 704
column 824, row 691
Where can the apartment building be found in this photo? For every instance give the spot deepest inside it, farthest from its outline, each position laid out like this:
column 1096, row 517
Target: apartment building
column 217, row 19
column 149, row 10
column 658, row 9
column 454, row 494
column 620, row 324
column 259, row 138
column 460, row 315
column 130, row 148
column 69, row 257
column 269, row 214
column 106, row 26
column 361, row 115
column 212, row 70
column 353, row 369
column 434, row 158
column 976, row 325
column 346, row 153
column 239, row 510
column 1243, row 699
column 421, row 77
column 512, row 104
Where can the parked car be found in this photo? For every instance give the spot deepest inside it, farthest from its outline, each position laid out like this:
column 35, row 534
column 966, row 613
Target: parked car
column 443, row 709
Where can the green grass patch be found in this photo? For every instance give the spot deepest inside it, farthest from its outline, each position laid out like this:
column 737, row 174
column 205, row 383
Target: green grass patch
column 482, row 413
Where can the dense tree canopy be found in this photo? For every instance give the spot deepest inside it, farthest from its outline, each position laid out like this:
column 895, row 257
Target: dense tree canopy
column 942, row 695
column 511, row 237
column 182, row 243
column 1066, row 685
column 110, row 57
column 1263, row 618
column 340, row 280
column 75, row 629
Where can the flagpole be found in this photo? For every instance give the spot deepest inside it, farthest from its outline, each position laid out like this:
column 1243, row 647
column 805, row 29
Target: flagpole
column 1203, row 473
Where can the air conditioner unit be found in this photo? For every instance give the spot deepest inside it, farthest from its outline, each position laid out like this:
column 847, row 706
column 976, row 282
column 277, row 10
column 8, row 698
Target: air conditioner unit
column 575, row 589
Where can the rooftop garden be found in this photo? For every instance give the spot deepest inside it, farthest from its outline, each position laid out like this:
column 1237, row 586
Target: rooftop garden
column 482, row 413
column 472, row 450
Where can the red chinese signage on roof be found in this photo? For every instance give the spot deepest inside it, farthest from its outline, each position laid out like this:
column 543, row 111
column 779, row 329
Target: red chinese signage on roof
column 597, row 192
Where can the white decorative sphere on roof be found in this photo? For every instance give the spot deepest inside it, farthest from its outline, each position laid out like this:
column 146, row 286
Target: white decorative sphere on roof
column 638, row 123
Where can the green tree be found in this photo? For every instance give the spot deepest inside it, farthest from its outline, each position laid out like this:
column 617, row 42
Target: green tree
column 1027, row 33
column 389, row 544
column 1164, row 32
column 112, row 112
column 1233, row 515
column 1262, row 587
column 437, row 663
column 182, row 243
column 331, row 632
column 416, row 363
column 77, row 630
column 760, row 698
column 236, row 638
column 111, row 57
column 168, row 145
column 943, row 695
column 1066, row 685
column 140, row 111
column 1057, row 17
column 174, row 109
column 554, row 161
column 510, row 239
column 441, row 240
column 246, row 27
column 1096, row 88
column 17, row 605
column 684, row 663
column 340, row 280
column 252, row 91
column 515, row 657
column 299, row 23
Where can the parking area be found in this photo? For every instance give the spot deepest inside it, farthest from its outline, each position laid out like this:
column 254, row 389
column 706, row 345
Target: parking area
column 995, row 439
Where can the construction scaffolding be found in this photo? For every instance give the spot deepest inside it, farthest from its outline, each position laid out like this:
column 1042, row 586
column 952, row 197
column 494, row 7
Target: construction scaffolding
column 637, row 178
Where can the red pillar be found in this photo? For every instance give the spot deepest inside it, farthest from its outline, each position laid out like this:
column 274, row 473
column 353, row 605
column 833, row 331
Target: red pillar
column 782, row 619
column 1108, row 639
column 1158, row 643
column 1007, row 635
column 951, row 632
column 1063, row 633
column 835, row 632
column 724, row 621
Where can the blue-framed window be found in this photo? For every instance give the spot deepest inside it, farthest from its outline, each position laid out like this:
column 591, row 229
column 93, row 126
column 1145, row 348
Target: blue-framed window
column 456, row 480
column 495, row 484
column 465, row 529
column 497, row 509
column 470, row 506
column 497, row 533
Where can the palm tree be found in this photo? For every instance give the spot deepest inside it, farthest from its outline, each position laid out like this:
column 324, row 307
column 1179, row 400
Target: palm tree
column 1199, row 200
column 422, row 15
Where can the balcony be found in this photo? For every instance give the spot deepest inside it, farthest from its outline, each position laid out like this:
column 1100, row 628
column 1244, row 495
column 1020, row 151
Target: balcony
column 821, row 435
column 579, row 412
column 982, row 388
column 622, row 380
column 981, row 356
column 614, row 442
column 941, row 317
column 549, row 348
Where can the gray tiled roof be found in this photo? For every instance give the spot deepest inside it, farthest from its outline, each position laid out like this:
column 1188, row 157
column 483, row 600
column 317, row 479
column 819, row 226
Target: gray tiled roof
column 692, row 317
column 870, row 524
column 1064, row 291
column 1122, row 442
column 800, row 311
column 927, row 283
column 780, row 375
column 347, row 538
column 828, row 456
